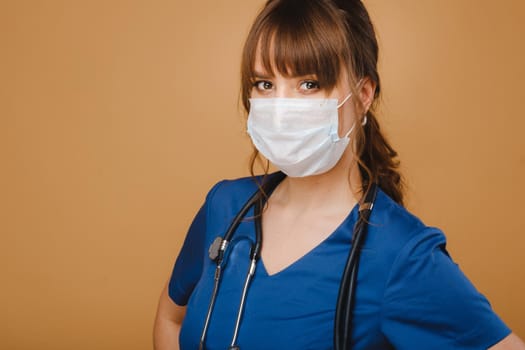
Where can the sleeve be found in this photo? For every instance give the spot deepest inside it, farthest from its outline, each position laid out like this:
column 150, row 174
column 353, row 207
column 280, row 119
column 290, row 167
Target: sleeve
column 188, row 266
column 430, row 304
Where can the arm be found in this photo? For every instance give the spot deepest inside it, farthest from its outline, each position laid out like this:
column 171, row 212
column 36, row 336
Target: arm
column 428, row 293
column 186, row 273
column 511, row 342
column 167, row 323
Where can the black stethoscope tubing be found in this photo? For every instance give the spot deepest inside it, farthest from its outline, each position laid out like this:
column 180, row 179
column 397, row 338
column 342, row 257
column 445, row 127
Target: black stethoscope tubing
column 346, row 296
column 220, row 244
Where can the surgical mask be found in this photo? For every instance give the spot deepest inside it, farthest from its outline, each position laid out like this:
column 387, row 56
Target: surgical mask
column 298, row 135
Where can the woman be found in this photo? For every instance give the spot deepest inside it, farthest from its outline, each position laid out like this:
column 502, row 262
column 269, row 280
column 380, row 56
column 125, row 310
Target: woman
column 309, row 83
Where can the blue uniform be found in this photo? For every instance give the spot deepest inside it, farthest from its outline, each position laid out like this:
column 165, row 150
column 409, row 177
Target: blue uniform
column 410, row 294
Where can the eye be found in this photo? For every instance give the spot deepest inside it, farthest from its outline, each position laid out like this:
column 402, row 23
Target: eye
column 309, row 85
column 263, row 85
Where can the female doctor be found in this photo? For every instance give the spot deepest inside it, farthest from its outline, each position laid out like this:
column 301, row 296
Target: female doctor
column 309, row 83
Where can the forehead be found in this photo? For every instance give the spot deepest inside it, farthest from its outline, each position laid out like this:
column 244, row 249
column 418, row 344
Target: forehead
column 276, row 55
column 297, row 38
column 266, row 65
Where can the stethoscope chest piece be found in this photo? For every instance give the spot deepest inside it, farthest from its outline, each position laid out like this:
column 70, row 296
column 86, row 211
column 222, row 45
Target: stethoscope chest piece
column 216, row 250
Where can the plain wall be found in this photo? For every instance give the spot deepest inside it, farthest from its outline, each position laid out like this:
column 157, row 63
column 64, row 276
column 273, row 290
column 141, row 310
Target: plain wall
column 116, row 117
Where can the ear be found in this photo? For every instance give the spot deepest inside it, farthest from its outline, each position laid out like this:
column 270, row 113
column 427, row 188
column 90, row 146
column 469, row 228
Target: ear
column 367, row 90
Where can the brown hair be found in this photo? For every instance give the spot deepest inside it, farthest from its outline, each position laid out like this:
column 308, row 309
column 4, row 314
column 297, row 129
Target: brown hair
column 325, row 37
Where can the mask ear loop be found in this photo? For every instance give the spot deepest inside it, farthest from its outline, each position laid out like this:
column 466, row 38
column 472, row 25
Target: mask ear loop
column 344, row 100
column 363, row 123
column 358, row 85
column 365, row 119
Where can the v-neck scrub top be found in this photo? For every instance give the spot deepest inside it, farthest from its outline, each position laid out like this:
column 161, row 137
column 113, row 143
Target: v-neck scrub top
column 410, row 294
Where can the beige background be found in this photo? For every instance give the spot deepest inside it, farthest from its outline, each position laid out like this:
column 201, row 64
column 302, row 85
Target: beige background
column 117, row 116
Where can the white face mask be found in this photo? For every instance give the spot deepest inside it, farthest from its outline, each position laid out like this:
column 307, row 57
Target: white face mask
column 298, row 135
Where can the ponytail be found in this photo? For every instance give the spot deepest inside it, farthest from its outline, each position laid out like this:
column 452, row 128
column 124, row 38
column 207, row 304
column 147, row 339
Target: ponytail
column 378, row 161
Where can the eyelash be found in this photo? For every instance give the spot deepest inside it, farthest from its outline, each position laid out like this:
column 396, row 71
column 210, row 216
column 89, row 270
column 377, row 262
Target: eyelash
column 314, row 82
column 260, row 85
column 257, row 83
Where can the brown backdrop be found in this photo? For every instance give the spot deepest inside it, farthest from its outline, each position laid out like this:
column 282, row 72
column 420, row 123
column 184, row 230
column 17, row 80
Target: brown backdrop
column 117, row 116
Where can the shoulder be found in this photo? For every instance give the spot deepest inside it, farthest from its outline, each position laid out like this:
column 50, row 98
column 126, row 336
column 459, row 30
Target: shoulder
column 396, row 232
column 237, row 185
column 232, row 190
column 424, row 283
column 240, row 189
column 228, row 196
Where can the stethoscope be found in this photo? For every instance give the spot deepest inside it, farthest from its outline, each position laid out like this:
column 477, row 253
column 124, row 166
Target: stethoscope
column 346, row 296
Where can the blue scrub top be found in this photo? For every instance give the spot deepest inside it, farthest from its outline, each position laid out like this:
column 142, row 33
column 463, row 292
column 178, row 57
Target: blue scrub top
column 410, row 293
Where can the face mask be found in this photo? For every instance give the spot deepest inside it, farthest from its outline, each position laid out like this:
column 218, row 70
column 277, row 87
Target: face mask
column 298, row 135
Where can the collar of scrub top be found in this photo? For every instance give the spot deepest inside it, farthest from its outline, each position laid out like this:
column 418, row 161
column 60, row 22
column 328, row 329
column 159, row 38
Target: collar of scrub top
column 346, row 296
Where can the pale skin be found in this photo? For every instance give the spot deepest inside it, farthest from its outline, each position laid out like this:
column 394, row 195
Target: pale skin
column 291, row 222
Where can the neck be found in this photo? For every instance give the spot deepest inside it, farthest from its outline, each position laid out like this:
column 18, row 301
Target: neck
column 336, row 188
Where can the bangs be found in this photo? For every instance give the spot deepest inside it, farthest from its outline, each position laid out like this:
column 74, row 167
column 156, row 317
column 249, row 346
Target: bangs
column 297, row 38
